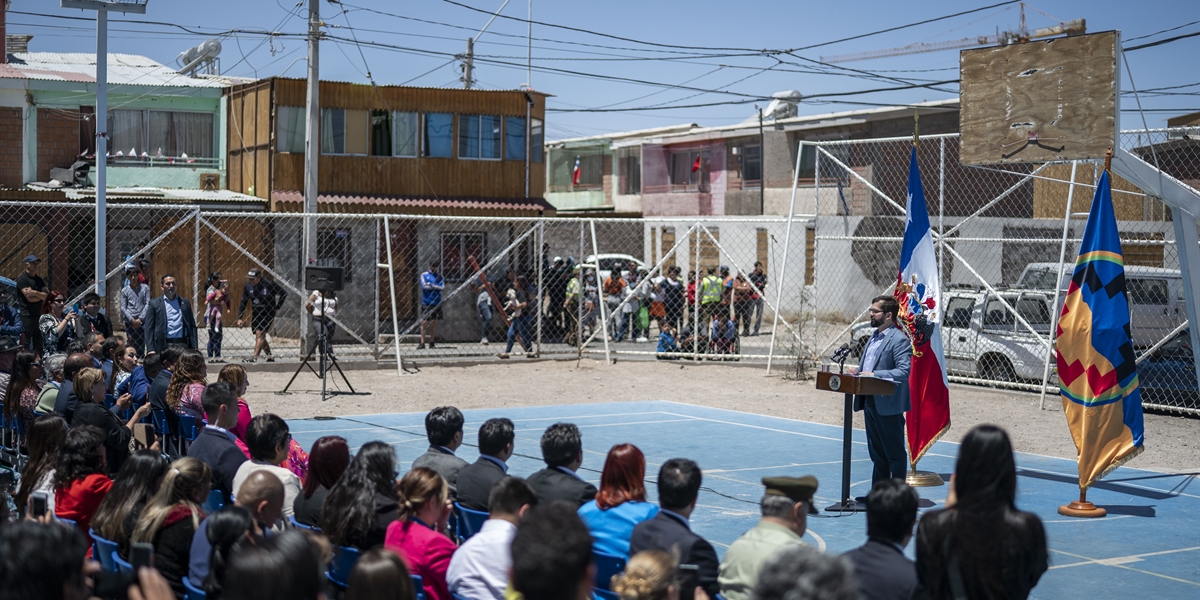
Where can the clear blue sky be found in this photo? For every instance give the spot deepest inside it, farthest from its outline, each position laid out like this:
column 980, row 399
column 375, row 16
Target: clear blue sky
column 752, row 24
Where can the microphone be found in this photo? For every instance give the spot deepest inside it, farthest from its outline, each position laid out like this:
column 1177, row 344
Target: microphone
column 842, row 352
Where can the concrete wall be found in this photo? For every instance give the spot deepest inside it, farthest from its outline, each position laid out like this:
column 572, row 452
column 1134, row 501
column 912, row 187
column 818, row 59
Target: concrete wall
column 576, row 200
column 12, row 127
column 171, row 177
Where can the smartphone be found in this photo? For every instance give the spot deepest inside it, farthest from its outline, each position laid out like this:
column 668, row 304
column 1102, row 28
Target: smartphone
column 143, row 434
column 39, row 503
column 689, row 578
column 141, row 555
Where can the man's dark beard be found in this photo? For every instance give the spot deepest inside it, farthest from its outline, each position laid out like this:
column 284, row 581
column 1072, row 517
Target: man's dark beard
column 876, row 322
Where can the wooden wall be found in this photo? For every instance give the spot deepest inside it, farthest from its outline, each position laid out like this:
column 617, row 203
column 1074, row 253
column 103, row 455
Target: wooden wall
column 250, row 138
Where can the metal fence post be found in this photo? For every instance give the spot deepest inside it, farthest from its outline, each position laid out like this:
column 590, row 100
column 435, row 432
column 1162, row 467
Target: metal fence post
column 787, row 246
column 600, row 294
column 541, row 296
column 1062, row 257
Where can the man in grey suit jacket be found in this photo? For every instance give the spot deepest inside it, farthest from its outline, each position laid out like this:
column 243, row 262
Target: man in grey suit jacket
column 887, row 355
column 562, row 449
column 169, row 319
column 444, row 429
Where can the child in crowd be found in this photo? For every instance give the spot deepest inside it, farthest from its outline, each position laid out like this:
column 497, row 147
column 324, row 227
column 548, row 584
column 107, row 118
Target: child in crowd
column 217, row 300
column 666, row 341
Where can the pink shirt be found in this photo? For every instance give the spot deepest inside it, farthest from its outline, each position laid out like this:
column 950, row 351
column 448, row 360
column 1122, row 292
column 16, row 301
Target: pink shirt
column 426, row 552
column 189, row 402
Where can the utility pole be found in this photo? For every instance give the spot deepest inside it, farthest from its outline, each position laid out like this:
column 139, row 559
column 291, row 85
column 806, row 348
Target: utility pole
column 762, row 166
column 101, row 116
column 312, row 145
column 468, row 67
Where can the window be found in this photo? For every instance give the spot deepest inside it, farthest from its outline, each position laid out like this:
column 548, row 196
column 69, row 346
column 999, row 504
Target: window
column 997, row 316
column 161, row 134
column 1035, row 312
column 457, row 251
column 958, row 312
column 538, row 137
column 439, row 135
column 333, row 250
column 289, row 129
column 689, row 171
column 629, row 165
column 808, row 163
column 333, row 131
column 1148, row 291
column 479, row 137
column 751, row 167
column 591, row 172
column 514, row 138
column 381, row 133
column 404, row 133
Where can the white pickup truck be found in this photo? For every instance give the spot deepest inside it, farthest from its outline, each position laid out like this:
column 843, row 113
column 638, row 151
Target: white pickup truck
column 982, row 339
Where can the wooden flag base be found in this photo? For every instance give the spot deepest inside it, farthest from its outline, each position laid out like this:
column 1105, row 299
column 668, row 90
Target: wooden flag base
column 923, row 479
column 1082, row 509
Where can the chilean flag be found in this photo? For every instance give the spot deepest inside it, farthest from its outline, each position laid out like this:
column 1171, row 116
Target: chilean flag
column 575, row 173
column 918, row 290
column 696, row 164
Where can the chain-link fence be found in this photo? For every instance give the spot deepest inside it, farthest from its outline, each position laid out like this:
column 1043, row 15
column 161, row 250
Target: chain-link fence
column 1006, row 239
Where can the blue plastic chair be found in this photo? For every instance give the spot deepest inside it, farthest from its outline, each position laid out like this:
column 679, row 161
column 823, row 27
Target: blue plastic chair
column 160, row 421
column 469, row 521
column 342, row 564
column 122, row 566
column 607, row 565
column 454, row 596
column 299, row 525
column 193, row 592
column 418, row 587
column 214, row 502
column 605, row 594
column 188, row 428
column 66, row 521
column 103, row 551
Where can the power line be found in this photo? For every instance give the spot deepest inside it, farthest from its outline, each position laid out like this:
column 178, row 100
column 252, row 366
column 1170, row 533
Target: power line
column 1142, row 37
column 1164, row 41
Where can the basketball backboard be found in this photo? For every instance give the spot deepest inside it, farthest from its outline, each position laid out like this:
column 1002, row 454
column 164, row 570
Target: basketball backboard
column 1046, row 100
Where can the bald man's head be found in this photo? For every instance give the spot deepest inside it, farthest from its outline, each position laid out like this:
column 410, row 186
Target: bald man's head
column 262, row 494
column 74, row 363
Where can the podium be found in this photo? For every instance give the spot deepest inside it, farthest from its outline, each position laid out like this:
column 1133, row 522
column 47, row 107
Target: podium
column 851, row 386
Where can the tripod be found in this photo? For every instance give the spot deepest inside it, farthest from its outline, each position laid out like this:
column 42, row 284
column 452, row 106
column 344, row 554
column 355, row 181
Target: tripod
column 325, row 358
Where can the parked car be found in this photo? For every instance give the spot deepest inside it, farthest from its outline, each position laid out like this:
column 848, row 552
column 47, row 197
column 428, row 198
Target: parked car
column 984, row 340
column 1168, row 376
column 1156, row 300
column 608, row 262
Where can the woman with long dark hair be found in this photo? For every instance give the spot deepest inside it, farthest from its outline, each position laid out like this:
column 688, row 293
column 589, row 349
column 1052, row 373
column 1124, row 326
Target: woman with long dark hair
column 980, row 545
column 419, row 533
column 621, row 501
column 57, row 325
column 134, row 486
column 380, row 574
column 286, row 566
column 171, row 518
column 43, row 441
column 363, row 502
column 228, row 529
column 21, row 396
column 327, row 461
column 188, row 378
column 81, row 477
column 125, row 360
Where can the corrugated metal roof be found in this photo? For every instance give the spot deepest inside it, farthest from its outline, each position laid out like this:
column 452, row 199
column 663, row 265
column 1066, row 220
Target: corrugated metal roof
column 420, row 202
column 123, row 69
column 159, row 194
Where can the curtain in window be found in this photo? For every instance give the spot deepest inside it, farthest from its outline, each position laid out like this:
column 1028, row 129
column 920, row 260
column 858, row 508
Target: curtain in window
column 514, row 138
column 333, row 131
column 538, row 138
column 404, row 127
column 158, row 134
column 190, row 133
column 468, row 136
column 489, row 137
column 381, row 133
column 289, row 129
column 439, row 131
column 126, row 129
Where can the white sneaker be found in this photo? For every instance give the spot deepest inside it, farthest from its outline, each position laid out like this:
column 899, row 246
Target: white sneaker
column 642, row 340
column 484, row 341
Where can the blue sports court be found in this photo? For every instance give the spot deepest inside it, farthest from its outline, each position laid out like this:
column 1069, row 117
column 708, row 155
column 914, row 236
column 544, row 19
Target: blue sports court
column 1147, row 546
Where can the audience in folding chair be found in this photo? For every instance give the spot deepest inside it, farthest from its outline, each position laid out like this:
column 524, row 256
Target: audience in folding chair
column 670, row 530
column 363, row 502
column 327, row 460
column 621, row 502
column 261, row 495
column 562, row 451
column 475, row 480
column 172, row 517
column 133, row 487
column 479, row 568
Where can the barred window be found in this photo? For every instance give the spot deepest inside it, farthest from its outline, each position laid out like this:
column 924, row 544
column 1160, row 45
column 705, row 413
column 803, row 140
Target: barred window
column 457, row 251
column 629, row 165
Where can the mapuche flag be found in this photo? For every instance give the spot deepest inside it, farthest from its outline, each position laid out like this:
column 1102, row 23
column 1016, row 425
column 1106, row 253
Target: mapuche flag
column 919, row 292
column 1097, row 372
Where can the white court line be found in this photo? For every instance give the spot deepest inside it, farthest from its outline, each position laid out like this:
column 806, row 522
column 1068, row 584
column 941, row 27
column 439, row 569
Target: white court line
column 1132, row 485
column 820, row 437
column 566, row 418
column 1105, row 519
column 1120, row 560
column 820, row 541
column 1108, row 563
column 788, row 466
column 617, row 424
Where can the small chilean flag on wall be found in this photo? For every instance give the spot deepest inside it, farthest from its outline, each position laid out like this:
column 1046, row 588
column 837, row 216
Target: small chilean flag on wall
column 696, row 165
column 575, row 173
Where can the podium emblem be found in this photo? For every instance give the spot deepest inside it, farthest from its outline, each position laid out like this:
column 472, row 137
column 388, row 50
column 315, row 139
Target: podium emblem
column 835, row 383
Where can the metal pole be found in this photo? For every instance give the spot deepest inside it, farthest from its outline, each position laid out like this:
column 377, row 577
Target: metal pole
column 376, row 349
column 762, row 166
column 579, row 300
column 1062, row 256
column 787, row 246
column 696, row 295
column 387, row 237
column 101, row 151
column 529, row 51
column 312, row 127
column 941, row 210
column 197, row 290
column 600, row 296
column 528, row 138
column 469, row 64
column 541, row 296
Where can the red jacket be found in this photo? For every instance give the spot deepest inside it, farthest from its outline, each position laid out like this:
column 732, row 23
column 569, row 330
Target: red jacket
column 79, row 500
column 426, row 552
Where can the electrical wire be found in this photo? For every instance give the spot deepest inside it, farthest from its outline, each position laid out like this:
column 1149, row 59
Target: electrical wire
column 1163, row 41
column 1149, row 35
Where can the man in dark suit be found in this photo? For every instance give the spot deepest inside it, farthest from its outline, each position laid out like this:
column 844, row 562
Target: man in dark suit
column 880, row 567
column 678, row 489
column 444, row 429
column 158, row 393
column 562, row 449
column 169, row 319
column 475, row 480
column 215, row 446
column 65, row 402
column 888, row 355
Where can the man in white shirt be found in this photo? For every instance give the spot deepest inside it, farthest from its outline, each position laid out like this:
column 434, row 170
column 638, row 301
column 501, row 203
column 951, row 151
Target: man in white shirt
column 479, row 568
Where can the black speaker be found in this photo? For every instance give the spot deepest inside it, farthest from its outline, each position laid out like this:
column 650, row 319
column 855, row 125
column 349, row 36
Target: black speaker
column 325, row 279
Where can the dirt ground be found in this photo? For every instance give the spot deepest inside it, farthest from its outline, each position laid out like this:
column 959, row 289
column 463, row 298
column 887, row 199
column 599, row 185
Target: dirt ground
column 1172, row 442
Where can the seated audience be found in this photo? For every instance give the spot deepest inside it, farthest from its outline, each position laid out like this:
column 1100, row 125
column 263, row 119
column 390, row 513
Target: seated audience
column 652, row 575
column 171, row 518
column 419, row 534
column 65, row 400
column 380, row 574
column 785, row 509
column 214, row 445
column 81, row 477
column 89, row 387
column 444, row 429
column 43, row 441
column 138, row 382
column 552, row 555
column 1000, row 551
column 186, row 389
column 802, row 573
column 363, row 502
column 328, row 459
column 562, row 451
column 21, row 395
column 52, row 366
column 880, row 567
column 262, row 496
column 157, row 394
column 225, row 530
column 43, row 562
column 678, row 490
column 287, row 566
column 475, row 480
column 297, row 461
column 479, row 568
column 133, row 487
column 268, row 440
column 125, row 361
column 621, row 502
